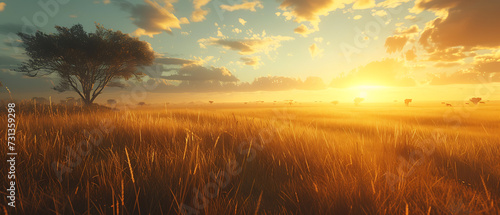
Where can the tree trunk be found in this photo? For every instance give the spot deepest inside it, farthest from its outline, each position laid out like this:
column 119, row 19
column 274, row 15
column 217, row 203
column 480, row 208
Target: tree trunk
column 86, row 98
column 87, row 102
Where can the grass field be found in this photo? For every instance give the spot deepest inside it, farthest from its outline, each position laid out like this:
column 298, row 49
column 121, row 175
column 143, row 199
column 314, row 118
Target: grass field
column 259, row 159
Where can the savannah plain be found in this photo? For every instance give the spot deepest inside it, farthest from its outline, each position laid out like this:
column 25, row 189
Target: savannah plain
column 311, row 158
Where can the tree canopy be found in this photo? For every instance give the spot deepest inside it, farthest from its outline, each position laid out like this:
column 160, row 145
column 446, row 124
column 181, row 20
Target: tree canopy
column 407, row 101
column 85, row 62
column 358, row 100
column 475, row 100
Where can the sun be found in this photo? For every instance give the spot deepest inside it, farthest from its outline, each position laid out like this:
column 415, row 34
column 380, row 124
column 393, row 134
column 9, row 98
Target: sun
column 363, row 94
column 364, row 89
column 369, row 87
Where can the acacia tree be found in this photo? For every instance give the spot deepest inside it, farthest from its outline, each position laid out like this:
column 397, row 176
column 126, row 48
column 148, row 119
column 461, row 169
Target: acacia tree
column 85, row 62
column 358, row 100
column 407, row 101
column 475, row 100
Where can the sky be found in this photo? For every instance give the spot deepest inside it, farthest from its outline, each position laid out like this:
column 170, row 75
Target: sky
column 247, row 50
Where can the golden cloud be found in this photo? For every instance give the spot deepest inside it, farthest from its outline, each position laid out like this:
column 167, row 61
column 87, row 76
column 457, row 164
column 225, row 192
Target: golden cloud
column 487, row 63
column 450, row 54
column 484, row 69
column 391, row 3
column 464, row 77
column 411, row 55
column 380, row 13
column 310, row 11
column 193, row 72
column 173, row 61
column 152, row 18
column 242, row 21
column 247, row 46
column 243, row 6
column 363, row 4
column 199, row 14
column 414, row 29
column 471, row 24
column 251, row 61
column 315, row 51
column 395, row 43
column 448, row 64
column 303, row 30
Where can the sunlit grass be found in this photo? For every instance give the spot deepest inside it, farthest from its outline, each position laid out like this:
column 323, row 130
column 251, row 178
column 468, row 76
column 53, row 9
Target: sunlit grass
column 313, row 160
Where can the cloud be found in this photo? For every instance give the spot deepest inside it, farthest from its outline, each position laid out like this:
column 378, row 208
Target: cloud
column 310, row 11
column 219, row 33
column 242, row 21
column 411, row 55
column 313, row 83
column 247, row 46
column 388, row 72
column 17, row 83
column 391, row 3
column 267, row 83
column 303, row 30
column 380, row 13
column 485, row 68
column 450, row 54
column 237, row 30
column 315, row 51
column 251, row 61
column 408, row 31
column 104, row 2
column 199, row 73
column 448, row 64
column 173, row 61
column 73, row 16
column 8, row 28
column 183, row 20
column 471, row 24
column 410, row 17
column 357, row 17
column 2, row 6
column 287, row 15
column 243, row 6
column 463, row 77
column 199, row 14
column 13, row 43
column 118, row 84
column 487, row 63
column 7, row 62
column 363, row 4
column 461, row 28
column 151, row 18
column 395, row 43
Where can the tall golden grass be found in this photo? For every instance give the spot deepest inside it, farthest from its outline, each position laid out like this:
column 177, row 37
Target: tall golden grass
column 293, row 159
